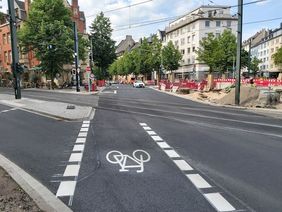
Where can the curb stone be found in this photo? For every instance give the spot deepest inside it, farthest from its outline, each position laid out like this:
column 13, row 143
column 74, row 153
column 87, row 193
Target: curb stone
column 44, row 198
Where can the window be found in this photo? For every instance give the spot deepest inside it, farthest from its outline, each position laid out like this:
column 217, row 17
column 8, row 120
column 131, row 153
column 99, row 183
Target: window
column 193, row 38
column 5, row 57
column 207, row 23
column 182, row 41
column 272, row 50
column 193, row 49
column 10, row 56
column 8, row 38
column 228, row 23
column 189, row 61
column 218, row 23
column 182, row 51
column 188, row 39
column 176, row 43
column 277, row 40
column 4, row 39
column 188, row 50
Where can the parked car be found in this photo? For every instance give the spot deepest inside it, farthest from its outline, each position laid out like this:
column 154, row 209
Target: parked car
column 138, row 84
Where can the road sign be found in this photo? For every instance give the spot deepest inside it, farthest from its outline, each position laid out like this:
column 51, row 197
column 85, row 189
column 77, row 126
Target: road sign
column 88, row 68
column 126, row 162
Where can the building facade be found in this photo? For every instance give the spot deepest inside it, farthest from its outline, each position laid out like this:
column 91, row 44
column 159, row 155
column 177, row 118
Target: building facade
column 29, row 59
column 187, row 31
column 264, row 51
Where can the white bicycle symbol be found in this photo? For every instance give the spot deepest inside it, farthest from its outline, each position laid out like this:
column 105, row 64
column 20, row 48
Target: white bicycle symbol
column 138, row 156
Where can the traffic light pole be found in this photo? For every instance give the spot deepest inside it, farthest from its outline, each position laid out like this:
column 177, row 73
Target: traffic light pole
column 76, row 59
column 15, row 53
column 239, row 47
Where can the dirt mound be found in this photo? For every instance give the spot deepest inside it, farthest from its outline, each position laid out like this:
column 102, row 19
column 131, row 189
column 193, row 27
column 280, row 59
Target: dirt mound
column 248, row 96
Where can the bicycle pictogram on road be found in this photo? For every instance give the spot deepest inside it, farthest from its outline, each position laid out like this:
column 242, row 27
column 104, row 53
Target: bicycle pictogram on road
column 126, row 162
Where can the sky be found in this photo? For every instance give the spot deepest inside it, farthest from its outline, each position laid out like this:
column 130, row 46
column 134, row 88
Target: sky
column 124, row 21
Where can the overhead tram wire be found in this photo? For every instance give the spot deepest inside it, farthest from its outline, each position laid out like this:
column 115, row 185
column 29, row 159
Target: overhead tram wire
column 120, row 8
column 157, row 21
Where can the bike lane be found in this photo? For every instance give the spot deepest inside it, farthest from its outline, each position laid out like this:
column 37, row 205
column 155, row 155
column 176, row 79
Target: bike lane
column 123, row 170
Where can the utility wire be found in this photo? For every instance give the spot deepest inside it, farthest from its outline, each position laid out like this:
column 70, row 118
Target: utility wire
column 120, row 8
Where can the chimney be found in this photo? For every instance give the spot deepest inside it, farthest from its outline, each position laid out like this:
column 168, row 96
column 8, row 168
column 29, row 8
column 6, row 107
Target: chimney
column 74, row 3
column 27, row 6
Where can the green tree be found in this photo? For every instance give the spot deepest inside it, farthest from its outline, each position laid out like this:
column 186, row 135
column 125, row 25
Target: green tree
column 207, row 51
column 254, row 67
column 144, row 61
column 102, row 44
column 277, row 57
column 156, row 56
column 171, row 57
column 49, row 33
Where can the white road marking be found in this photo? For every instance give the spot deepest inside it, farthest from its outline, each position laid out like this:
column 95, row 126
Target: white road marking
column 80, row 140
column 5, row 111
column 75, row 157
column 71, row 171
column 198, row 181
column 157, row 138
column 143, row 124
column 78, row 147
column 84, row 129
column 147, row 128
column 172, row 154
column 83, row 134
column 115, row 91
column 86, row 122
column 151, row 132
column 219, row 202
column 85, row 125
column 163, row 145
column 183, row 165
column 66, row 188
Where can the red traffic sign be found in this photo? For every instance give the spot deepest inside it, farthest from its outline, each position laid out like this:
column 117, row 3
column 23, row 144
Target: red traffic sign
column 88, row 68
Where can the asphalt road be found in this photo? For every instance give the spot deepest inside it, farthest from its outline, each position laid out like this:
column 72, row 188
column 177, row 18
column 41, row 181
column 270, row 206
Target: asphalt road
column 235, row 152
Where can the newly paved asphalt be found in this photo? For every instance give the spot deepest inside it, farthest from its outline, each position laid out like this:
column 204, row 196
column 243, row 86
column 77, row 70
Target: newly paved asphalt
column 238, row 153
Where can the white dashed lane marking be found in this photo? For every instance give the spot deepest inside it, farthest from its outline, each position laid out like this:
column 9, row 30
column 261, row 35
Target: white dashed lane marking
column 198, row 181
column 6, row 111
column 219, row 202
column 67, row 188
column 215, row 199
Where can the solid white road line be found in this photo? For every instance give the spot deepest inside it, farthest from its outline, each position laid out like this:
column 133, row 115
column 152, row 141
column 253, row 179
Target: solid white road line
column 78, row 147
column 219, row 202
column 183, row 165
column 143, row 124
column 83, row 134
column 84, row 129
column 198, row 181
column 157, row 138
column 5, row 111
column 172, row 153
column 80, row 140
column 151, row 132
column 75, row 157
column 163, row 145
column 147, row 128
column 85, row 125
column 71, row 171
column 66, row 188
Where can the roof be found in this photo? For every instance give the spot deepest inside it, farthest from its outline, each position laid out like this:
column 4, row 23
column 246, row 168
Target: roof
column 20, row 4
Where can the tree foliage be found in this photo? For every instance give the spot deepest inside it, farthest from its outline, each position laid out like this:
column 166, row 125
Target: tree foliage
column 277, row 57
column 102, row 44
column 171, row 57
column 49, row 33
column 219, row 53
column 254, row 66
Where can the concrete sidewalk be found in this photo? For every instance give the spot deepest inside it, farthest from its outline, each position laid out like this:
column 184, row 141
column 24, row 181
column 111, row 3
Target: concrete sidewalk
column 54, row 109
column 66, row 91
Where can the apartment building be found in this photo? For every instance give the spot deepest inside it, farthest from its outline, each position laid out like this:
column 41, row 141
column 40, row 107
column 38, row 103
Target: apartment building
column 264, row 50
column 187, row 31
